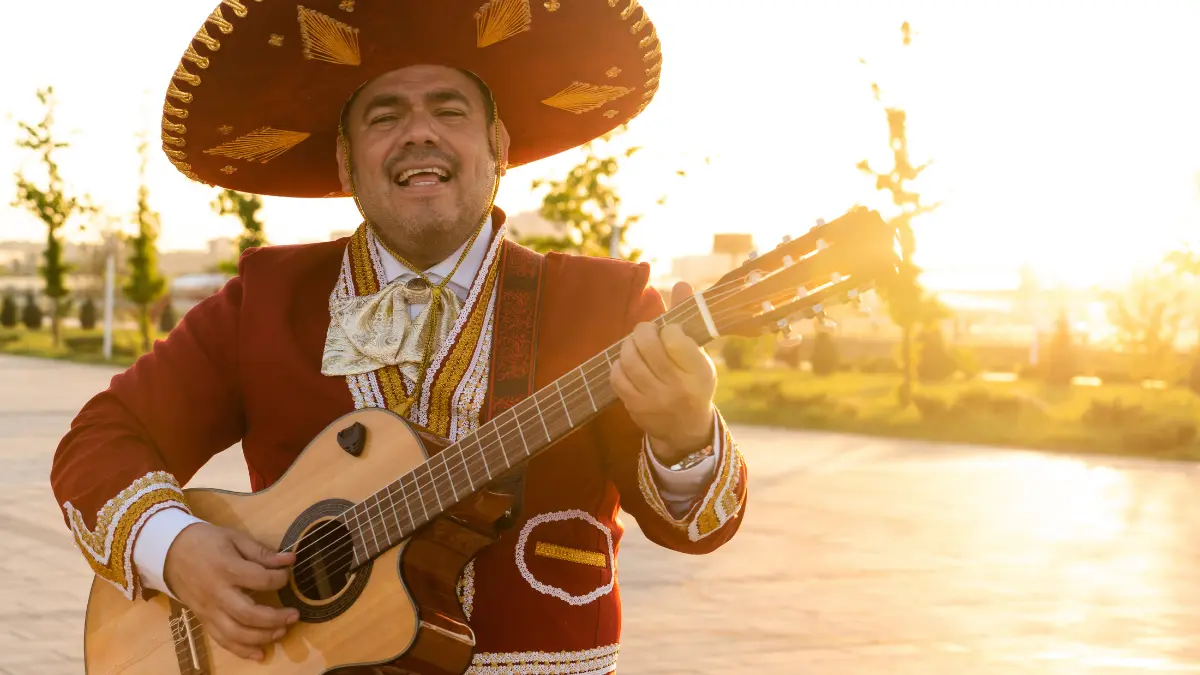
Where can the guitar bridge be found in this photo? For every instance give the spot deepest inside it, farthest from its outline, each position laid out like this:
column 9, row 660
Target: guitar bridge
column 188, row 635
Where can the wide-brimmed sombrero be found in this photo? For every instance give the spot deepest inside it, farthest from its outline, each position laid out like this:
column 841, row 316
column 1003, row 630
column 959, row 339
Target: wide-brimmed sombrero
column 255, row 102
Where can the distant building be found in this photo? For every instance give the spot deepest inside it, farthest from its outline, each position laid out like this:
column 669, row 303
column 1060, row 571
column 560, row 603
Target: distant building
column 702, row 271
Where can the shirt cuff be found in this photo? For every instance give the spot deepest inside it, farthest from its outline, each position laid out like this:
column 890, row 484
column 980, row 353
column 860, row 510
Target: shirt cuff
column 153, row 542
column 680, row 489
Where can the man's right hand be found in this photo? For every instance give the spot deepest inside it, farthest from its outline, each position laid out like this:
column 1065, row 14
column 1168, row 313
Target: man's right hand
column 209, row 568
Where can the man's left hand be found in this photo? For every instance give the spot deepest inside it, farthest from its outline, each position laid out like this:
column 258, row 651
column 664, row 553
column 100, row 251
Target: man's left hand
column 666, row 382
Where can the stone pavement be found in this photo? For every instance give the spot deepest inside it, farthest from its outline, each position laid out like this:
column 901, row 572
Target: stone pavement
column 857, row 556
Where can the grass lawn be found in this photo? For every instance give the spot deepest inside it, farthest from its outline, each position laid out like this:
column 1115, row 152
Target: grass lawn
column 24, row 342
column 1108, row 419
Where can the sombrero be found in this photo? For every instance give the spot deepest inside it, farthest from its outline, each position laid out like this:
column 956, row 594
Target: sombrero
column 254, row 104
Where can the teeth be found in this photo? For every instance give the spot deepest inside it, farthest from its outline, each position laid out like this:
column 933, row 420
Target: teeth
column 409, row 173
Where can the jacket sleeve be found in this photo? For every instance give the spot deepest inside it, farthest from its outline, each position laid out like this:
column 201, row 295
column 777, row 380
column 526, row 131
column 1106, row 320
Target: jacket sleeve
column 716, row 510
column 131, row 447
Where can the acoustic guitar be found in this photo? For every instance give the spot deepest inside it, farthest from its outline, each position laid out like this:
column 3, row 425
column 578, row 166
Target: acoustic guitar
column 384, row 516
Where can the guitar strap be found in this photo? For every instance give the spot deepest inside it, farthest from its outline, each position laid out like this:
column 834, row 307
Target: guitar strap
column 514, row 348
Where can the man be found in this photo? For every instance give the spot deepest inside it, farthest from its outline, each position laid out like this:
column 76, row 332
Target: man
column 395, row 104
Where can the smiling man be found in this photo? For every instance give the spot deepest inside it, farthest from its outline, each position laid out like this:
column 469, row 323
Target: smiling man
column 415, row 110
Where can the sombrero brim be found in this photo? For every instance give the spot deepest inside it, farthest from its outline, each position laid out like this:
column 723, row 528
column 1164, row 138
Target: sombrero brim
column 255, row 101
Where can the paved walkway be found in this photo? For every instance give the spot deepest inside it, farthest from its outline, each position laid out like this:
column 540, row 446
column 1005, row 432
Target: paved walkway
column 857, row 556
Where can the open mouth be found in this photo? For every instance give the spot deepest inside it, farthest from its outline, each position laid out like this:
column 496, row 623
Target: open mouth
column 423, row 176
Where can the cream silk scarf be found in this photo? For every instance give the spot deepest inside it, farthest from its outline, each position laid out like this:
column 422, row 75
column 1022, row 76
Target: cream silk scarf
column 369, row 332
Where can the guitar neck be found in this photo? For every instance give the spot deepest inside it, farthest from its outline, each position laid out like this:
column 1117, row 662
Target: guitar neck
column 514, row 436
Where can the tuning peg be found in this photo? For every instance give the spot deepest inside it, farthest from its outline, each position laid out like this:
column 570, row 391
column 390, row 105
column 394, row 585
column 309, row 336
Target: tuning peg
column 825, row 322
column 767, row 306
column 788, row 336
column 801, row 292
column 787, row 261
column 787, row 238
column 751, row 255
column 821, row 245
column 820, row 222
column 836, row 277
column 754, row 277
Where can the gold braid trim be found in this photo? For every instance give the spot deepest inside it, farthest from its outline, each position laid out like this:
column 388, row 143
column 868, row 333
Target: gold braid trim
column 454, row 366
column 593, row 661
column 365, row 281
column 109, row 547
column 723, row 499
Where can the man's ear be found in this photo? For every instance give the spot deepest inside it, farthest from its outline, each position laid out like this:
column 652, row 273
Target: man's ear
column 343, row 176
column 504, row 142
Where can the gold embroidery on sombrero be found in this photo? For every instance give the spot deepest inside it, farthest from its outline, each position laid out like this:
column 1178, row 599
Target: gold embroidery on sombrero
column 613, row 72
column 168, row 138
column 238, row 8
column 346, row 5
column 276, row 40
column 499, row 20
column 262, row 144
column 167, row 125
column 327, row 39
column 581, row 97
column 109, row 547
column 194, row 56
column 182, row 74
column 174, row 112
column 218, row 19
column 207, row 40
column 551, row 5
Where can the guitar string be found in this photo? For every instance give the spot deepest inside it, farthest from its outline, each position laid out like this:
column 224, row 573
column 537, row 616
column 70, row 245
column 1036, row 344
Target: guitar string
column 721, row 294
column 681, row 309
column 420, row 482
column 446, row 472
column 505, row 432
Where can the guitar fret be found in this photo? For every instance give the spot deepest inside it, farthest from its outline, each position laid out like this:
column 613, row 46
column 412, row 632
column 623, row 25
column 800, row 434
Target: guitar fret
column 407, row 507
column 537, row 404
column 483, row 453
column 373, row 536
column 420, row 496
column 450, row 476
column 387, row 535
column 588, row 388
column 566, row 408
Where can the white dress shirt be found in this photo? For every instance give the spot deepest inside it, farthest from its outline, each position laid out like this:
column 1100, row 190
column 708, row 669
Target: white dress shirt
column 677, row 488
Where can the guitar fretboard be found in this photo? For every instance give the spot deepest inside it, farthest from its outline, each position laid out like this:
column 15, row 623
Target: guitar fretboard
column 393, row 513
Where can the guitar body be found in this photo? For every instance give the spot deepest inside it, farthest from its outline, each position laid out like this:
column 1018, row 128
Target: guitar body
column 402, row 604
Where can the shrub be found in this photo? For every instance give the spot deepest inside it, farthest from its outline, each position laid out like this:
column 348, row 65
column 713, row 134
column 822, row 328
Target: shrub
column 930, row 407
column 1115, row 414
column 1061, row 365
column 934, row 362
column 879, row 364
column 87, row 315
column 741, row 353
column 31, row 316
column 167, row 320
column 8, row 312
column 824, row 356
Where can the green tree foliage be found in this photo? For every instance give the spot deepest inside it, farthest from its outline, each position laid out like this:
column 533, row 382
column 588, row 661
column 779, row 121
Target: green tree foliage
column 31, row 314
column 145, row 283
column 824, row 357
column 87, row 314
column 8, row 312
column 908, row 303
column 1061, row 365
column 50, row 204
column 586, row 202
column 245, row 208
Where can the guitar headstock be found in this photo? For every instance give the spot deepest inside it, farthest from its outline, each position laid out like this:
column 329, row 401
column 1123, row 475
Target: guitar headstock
column 830, row 264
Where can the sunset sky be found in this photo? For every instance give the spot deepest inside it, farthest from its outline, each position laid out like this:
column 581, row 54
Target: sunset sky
column 1064, row 135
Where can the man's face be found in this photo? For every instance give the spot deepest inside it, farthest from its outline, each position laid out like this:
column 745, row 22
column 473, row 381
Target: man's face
column 422, row 155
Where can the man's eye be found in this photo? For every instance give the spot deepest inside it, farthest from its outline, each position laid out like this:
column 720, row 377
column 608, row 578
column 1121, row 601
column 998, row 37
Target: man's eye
column 383, row 118
column 451, row 112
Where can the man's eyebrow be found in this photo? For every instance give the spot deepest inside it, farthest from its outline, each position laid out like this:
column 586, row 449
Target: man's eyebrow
column 446, row 95
column 384, row 100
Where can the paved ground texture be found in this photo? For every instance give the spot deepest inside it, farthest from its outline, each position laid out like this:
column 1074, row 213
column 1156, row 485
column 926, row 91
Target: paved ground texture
column 857, row 556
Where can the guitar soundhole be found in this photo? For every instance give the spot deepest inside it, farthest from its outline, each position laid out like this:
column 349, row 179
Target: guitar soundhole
column 323, row 561
column 322, row 585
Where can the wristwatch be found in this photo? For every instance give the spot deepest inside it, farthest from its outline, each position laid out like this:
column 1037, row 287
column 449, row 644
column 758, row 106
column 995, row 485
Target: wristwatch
column 692, row 459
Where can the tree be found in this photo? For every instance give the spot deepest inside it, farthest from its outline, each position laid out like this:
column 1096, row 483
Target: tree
column 245, row 207
column 168, row 319
column 908, row 303
column 145, row 283
column 1147, row 318
column 8, row 311
column 824, row 359
column 1061, row 362
column 936, row 363
column 87, row 314
column 31, row 315
column 50, row 204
